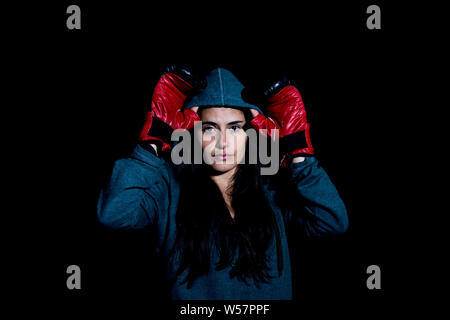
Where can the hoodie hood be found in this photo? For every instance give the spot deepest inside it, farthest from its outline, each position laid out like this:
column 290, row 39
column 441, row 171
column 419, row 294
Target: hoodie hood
column 223, row 89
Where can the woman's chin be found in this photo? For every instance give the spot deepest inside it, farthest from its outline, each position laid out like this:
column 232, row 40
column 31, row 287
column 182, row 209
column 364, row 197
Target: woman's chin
column 223, row 167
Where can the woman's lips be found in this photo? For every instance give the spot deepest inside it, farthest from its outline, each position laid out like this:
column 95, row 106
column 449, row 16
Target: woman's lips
column 223, row 156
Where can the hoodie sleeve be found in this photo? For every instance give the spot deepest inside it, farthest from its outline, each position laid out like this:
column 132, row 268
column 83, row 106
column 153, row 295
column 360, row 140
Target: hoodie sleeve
column 320, row 211
column 136, row 193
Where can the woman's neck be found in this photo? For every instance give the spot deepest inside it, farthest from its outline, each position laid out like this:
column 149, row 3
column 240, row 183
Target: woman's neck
column 223, row 181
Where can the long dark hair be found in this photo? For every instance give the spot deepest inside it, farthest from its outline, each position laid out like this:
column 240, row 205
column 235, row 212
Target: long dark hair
column 204, row 226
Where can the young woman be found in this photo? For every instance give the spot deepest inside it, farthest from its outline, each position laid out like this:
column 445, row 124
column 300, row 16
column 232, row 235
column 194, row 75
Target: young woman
column 221, row 225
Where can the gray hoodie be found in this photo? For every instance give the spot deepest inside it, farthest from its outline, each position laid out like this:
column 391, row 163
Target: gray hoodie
column 144, row 191
column 223, row 89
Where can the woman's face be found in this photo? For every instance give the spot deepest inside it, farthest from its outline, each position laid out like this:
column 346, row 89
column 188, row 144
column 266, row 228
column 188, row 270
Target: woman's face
column 223, row 137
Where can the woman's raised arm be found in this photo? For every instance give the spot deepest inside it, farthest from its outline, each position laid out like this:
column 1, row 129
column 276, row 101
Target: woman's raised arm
column 136, row 193
column 319, row 210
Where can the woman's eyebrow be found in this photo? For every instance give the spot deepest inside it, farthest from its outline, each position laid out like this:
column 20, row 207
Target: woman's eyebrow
column 234, row 122
column 209, row 122
column 215, row 124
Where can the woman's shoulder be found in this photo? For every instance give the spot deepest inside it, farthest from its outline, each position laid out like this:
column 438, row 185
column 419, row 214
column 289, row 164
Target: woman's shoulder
column 145, row 156
column 142, row 165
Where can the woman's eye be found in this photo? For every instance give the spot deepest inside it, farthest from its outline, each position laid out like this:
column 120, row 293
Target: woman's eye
column 208, row 129
column 235, row 128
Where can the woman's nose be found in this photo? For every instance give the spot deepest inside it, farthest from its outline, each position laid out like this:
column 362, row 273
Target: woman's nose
column 221, row 140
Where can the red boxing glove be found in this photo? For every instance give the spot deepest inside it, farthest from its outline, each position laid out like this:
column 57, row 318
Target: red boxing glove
column 261, row 123
column 166, row 115
column 285, row 105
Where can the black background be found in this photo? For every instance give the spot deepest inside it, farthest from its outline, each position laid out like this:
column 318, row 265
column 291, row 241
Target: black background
column 90, row 89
